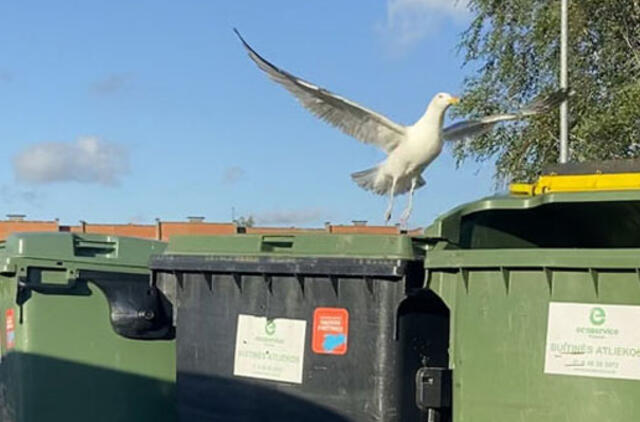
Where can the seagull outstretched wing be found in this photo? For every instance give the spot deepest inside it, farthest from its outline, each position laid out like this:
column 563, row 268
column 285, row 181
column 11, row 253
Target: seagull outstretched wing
column 476, row 127
column 353, row 119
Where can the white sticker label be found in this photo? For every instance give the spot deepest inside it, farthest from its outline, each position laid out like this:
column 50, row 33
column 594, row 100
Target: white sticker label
column 593, row 340
column 270, row 349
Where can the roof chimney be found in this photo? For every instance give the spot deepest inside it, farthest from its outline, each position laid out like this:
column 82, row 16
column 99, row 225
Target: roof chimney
column 195, row 219
column 16, row 217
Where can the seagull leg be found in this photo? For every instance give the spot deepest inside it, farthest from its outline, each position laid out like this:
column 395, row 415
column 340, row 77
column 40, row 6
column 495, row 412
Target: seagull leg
column 404, row 219
column 392, row 191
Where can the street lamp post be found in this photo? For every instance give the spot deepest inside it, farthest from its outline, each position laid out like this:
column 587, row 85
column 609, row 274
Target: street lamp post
column 564, row 124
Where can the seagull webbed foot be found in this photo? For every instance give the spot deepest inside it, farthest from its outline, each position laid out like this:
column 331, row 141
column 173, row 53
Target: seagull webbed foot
column 387, row 217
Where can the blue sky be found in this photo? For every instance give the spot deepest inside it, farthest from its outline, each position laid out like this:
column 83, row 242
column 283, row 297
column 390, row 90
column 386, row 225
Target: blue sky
column 126, row 111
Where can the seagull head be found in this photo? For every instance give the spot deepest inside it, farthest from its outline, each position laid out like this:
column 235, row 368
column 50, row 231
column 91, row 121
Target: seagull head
column 443, row 100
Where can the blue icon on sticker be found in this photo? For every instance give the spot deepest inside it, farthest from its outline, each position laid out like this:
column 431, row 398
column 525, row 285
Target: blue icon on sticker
column 333, row 341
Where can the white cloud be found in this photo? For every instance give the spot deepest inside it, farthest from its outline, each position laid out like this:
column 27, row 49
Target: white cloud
column 232, row 175
column 12, row 196
column 5, row 76
column 139, row 219
column 408, row 21
column 87, row 160
column 111, row 84
column 301, row 216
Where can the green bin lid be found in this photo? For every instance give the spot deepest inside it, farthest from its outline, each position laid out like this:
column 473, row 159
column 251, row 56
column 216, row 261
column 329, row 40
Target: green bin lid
column 298, row 245
column 78, row 250
column 583, row 206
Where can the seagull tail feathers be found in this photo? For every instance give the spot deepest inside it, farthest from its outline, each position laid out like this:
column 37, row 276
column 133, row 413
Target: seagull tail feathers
column 366, row 179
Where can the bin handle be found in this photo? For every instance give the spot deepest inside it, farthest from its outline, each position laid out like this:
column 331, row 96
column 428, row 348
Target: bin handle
column 272, row 243
column 25, row 281
column 94, row 248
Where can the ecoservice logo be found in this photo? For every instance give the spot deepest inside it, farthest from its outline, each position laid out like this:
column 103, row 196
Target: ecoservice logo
column 270, row 327
column 597, row 316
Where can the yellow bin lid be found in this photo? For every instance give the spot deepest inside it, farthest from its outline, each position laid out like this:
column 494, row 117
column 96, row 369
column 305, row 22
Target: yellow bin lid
column 578, row 183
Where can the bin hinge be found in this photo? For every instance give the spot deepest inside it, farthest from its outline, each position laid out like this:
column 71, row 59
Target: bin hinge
column 464, row 276
column 594, row 278
column 433, row 392
column 506, row 278
column 548, row 274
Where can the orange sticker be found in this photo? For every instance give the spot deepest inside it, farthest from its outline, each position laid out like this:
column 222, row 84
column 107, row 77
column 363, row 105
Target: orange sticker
column 10, row 328
column 330, row 331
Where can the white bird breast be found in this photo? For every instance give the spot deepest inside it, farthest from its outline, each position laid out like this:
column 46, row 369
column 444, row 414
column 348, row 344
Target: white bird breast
column 423, row 144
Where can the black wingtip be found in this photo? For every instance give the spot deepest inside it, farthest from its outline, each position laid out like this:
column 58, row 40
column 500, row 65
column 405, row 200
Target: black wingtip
column 545, row 103
column 252, row 53
column 235, row 30
column 262, row 63
column 565, row 93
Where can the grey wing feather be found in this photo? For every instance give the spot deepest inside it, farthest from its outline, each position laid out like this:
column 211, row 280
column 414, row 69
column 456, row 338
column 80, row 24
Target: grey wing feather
column 353, row 119
column 476, row 127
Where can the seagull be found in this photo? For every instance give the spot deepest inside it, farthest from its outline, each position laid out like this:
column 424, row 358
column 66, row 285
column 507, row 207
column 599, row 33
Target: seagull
column 410, row 148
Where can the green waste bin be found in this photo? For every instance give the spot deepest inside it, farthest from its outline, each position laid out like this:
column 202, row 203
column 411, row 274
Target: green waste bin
column 305, row 328
column 84, row 337
column 544, row 295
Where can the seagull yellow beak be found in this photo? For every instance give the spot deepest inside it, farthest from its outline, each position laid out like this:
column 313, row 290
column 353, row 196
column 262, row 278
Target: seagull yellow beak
column 454, row 100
